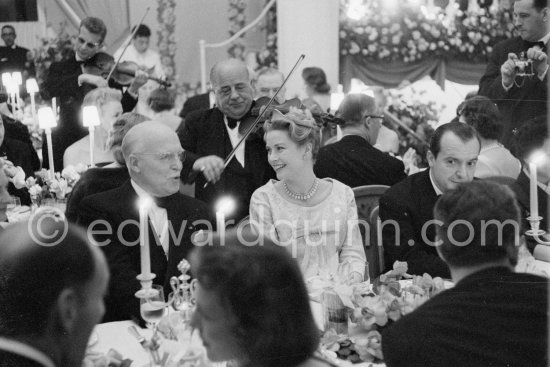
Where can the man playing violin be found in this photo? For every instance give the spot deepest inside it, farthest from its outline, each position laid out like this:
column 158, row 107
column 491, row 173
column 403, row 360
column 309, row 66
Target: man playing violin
column 67, row 82
column 209, row 136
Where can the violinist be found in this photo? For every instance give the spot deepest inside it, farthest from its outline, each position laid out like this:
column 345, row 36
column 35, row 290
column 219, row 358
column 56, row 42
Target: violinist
column 209, row 136
column 67, row 82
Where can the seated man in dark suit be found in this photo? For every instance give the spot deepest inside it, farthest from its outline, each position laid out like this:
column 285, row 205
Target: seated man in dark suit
column 200, row 102
column 490, row 305
column 14, row 57
column 52, row 288
column 409, row 233
column 209, row 136
column 353, row 160
column 533, row 139
column 152, row 153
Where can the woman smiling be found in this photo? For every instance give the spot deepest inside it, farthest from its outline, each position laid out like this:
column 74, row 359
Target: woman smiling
column 316, row 219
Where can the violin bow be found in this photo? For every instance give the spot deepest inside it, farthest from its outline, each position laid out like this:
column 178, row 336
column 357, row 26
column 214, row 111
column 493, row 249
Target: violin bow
column 260, row 115
column 127, row 44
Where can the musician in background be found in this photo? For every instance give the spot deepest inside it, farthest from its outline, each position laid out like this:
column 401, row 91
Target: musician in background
column 209, row 136
column 68, row 83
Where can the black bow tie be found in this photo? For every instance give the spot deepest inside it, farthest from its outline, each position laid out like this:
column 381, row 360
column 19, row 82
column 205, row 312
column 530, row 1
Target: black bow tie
column 162, row 202
column 232, row 123
column 527, row 45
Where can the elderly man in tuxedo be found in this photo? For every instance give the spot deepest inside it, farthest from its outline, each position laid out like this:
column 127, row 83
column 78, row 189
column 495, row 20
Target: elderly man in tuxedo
column 52, row 287
column 472, row 324
column 406, row 209
column 209, row 136
column 520, row 98
column 153, row 156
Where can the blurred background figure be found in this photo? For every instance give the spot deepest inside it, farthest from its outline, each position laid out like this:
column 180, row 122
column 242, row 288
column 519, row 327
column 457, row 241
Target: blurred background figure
column 317, row 100
column 494, row 159
column 268, row 81
column 109, row 108
column 161, row 103
column 14, row 57
column 252, row 306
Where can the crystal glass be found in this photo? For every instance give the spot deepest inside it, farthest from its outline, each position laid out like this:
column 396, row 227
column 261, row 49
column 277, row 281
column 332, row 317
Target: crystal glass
column 152, row 305
column 13, row 208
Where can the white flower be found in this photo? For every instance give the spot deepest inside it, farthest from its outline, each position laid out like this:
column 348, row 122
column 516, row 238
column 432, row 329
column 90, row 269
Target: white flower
column 372, row 48
column 433, row 46
column 35, row 190
column 384, row 31
column 354, row 48
column 395, row 40
column 69, row 173
column 416, row 35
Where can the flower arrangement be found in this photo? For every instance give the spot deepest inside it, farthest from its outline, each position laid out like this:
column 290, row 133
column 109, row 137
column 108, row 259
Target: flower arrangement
column 375, row 307
column 237, row 20
column 267, row 56
column 166, row 34
column 59, row 187
column 415, row 33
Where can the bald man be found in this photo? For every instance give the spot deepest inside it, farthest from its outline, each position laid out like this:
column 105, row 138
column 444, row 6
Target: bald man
column 153, row 156
column 52, row 288
column 209, row 136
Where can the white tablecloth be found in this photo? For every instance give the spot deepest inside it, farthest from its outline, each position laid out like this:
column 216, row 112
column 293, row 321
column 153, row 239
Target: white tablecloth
column 115, row 335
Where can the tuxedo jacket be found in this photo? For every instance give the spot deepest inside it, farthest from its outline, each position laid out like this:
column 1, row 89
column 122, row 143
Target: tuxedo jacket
column 199, row 102
column 15, row 59
column 410, row 204
column 354, row 162
column 205, row 134
column 474, row 323
column 8, row 359
column 123, row 251
column 518, row 104
column 62, row 83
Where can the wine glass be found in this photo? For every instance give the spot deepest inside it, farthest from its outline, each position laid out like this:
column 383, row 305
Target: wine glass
column 152, row 306
column 13, row 208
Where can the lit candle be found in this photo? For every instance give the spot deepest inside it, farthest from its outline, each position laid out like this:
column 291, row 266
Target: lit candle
column 90, row 119
column 32, row 88
column 223, row 207
column 145, row 256
column 46, row 121
column 17, row 81
column 54, row 107
column 12, row 92
column 534, row 202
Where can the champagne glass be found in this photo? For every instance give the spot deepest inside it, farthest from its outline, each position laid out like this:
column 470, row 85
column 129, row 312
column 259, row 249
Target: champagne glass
column 152, row 306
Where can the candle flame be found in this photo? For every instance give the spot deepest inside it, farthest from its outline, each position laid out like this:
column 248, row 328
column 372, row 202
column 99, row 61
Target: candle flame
column 538, row 157
column 226, row 205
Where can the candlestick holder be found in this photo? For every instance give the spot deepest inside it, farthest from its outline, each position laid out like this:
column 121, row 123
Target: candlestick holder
column 535, row 231
column 180, row 299
column 146, row 281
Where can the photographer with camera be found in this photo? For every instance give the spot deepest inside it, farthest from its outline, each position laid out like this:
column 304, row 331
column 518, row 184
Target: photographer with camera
column 516, row 75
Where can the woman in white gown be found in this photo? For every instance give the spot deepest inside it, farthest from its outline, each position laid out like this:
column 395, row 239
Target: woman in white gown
column 316, row 219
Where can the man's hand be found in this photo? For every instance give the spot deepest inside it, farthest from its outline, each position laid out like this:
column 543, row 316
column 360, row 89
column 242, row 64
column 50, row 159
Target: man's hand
column 508, row 70
column 139, row 81
column 96, row 80
column 211, row 167
column 540, row 60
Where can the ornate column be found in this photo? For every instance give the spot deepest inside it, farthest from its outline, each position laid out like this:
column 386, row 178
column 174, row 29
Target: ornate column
column 308, row 27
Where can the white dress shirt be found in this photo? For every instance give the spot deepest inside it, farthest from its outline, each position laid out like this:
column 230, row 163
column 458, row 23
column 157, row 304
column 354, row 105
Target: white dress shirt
column 235, row 137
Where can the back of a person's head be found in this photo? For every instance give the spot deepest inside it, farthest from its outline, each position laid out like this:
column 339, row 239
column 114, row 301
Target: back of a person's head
column 316, row 79
column 481, row 113
column 479, row 224
column 354, row 107
column 96, row 26
column 160, row 100
column 99, row 96
column 262, row 286
column 38, row 260
column 121, row 126
column 142, row 31
column 531, row 137
column 463, row 131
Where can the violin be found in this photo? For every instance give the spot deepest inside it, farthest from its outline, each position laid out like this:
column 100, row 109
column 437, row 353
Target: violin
column 124, row 73
column 322, row 119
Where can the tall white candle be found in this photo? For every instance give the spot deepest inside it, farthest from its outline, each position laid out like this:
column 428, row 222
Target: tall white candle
column 46, row 121
column 90, row 119
column 32, row 88
column 220, row 223
column 533, row 194
column 54, row 107
column 145, row 256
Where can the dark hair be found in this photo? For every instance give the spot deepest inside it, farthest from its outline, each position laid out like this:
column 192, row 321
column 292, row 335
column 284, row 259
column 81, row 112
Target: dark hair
column 35, row 268
column 121, row 126
column 530, row 137
column 481, row 113
column 354, row 107
column 316, row 79
column 299, row 125
column 95, row 26
column 263, row 287
column 540, row 4
column 468, row 237
column 142, row 31
column 8, row 26
column 463, row 131
column 160, row 99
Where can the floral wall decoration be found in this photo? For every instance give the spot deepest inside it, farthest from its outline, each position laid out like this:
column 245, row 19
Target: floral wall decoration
column 237, row 21
column 268, row 57
column 166, row 35
column 415, row 33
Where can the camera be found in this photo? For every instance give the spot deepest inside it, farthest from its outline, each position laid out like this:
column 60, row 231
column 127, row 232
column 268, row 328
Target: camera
column 524, row 66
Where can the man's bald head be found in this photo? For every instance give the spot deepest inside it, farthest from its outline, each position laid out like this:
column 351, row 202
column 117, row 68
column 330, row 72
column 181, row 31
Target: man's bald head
column 232, row 86
column 225, row 66
column 153, row 155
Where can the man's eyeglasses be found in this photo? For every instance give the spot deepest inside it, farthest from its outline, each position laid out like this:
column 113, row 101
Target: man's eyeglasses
column 167, row 156
column 8, row 34
column 82, row 41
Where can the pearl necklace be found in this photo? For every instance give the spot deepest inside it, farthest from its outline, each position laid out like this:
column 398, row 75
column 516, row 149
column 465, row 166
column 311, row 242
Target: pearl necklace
column 302, row 197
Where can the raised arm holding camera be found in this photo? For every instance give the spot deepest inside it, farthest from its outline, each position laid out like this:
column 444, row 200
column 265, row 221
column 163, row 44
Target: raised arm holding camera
column 515, row 78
